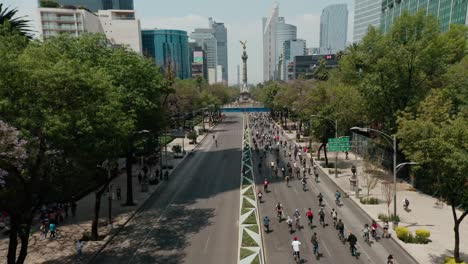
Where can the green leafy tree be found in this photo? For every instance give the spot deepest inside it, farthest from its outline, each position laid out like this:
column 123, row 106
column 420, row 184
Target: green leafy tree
column 436, row 137
column 397, row 70
column 321, row 72
column 71, row 117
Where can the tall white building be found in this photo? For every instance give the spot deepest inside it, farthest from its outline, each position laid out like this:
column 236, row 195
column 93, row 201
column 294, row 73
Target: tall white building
column 366, row 13
column 284, row 32
column 204, row 38
column 269, row 44
column 122, row 28
column 220, row 34
column 333, row 28
column 54, row 21
column 275, row 33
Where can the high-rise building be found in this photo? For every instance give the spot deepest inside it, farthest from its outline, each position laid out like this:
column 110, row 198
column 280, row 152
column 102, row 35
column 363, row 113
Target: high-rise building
column 366, row 13
column 269, row 44
column 275, row 33
column 121, row 28
column 448, row 12
column 54, row 21
column 291, row 48
column 95, row 5
column 204, row 38
column 284, row 32
column 198, row 60
column 220, row 34
column 168, row 48
column 333, row 28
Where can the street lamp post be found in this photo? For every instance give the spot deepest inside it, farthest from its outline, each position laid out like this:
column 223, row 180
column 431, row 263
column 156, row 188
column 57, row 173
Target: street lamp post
column 336, row 136
column 396, row 167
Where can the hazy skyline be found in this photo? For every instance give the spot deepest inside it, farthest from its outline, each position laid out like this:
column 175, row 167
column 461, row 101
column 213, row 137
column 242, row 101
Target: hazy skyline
column 243, row 20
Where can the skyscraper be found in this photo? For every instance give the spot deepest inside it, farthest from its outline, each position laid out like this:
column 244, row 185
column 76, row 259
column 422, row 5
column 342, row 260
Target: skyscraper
column 275, row 33
column 366, row 13
column 448, row 12
column 95, row 5
column 204, row 38
column 269, row 44
column 284, row 32
column 291, row 48
column 333, row 28
column 168, row 47
column 220, row 34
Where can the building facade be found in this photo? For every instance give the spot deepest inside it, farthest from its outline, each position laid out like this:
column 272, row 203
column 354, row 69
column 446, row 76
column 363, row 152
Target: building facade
column 291, row 48
column 95, row 5
column 220, row 34
column 284, row 32
column 204, row 38
column 121, row 28
column 447, row 11
column 168, row 48
column 54, row 21
column 269, row 44
column 333, row 28
column 305, row 66
column 198, row 60
column 366, row 13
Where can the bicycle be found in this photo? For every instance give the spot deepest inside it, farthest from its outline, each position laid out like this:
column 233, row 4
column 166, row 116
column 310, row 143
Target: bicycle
column 297, row 257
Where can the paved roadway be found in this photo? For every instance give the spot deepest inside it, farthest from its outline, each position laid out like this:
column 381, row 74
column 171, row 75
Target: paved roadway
column 278, row 241
column 194, row 219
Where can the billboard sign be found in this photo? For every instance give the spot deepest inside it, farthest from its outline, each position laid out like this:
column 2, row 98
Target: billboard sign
column 198, row 57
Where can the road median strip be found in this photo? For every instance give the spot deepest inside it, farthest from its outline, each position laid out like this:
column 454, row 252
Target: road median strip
column 250, row 240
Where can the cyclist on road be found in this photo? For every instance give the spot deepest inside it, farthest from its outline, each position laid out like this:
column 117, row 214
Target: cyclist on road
column 337, row 196
column 340, row 227
column 334, row 215
column 266, row 223
column 322, row 216
column 352, row 239
column 265, row 185
column 320, row 197
column 287, row 180
column 289, row 221
column 315, row 239
column 310, row 216
column 390, row 259
column 297, row 217
column 279, row 209
column 296, row 247
column 365, row 232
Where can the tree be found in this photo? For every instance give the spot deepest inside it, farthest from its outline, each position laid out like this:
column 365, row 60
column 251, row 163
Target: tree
column 387, row 191
column 12, row 23
column 397, row 70
column 368, row 180
column 321, row 72
column 436, row 137
column 69, row 115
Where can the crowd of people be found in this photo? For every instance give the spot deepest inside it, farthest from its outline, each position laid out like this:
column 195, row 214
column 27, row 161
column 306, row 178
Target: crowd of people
column 269, row 141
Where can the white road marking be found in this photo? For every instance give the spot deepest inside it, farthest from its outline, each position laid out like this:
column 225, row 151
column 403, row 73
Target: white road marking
column 206, row 244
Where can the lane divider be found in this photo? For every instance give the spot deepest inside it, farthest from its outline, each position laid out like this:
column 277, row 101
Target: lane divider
column 250, row 232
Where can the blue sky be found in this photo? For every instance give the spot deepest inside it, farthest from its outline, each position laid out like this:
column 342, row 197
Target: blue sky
column 243, row 19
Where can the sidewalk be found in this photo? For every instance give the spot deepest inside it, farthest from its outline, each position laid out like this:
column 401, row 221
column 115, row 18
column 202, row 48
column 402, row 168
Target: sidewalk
column 423, row 213
column 62, row 249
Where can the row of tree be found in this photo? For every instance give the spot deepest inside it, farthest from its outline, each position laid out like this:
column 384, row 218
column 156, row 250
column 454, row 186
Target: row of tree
column 67, row 105
column 412, row 82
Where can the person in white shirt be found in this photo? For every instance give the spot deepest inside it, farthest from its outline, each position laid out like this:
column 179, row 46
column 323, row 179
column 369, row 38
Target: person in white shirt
column 296, row 247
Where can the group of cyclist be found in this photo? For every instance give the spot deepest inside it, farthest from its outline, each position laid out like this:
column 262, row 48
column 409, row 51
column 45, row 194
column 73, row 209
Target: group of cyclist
column 266, row 135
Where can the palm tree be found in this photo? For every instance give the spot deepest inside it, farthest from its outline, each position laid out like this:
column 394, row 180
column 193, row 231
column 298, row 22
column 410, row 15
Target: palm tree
column 18, row 24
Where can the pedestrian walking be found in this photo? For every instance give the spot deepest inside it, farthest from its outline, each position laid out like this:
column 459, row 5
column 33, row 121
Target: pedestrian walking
column 79, row 249
column 44, row 230
column 52, row 229
column 119, row 192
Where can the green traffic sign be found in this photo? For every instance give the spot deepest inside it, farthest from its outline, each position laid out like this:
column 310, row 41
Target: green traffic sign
column 339, row 144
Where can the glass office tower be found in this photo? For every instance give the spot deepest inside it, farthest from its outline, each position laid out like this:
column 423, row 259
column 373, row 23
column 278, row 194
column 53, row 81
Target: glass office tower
column 168, row 47
column 448, row 12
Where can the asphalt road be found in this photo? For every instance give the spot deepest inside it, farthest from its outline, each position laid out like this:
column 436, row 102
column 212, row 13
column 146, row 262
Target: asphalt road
column 278, row 241
column 194, row 218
